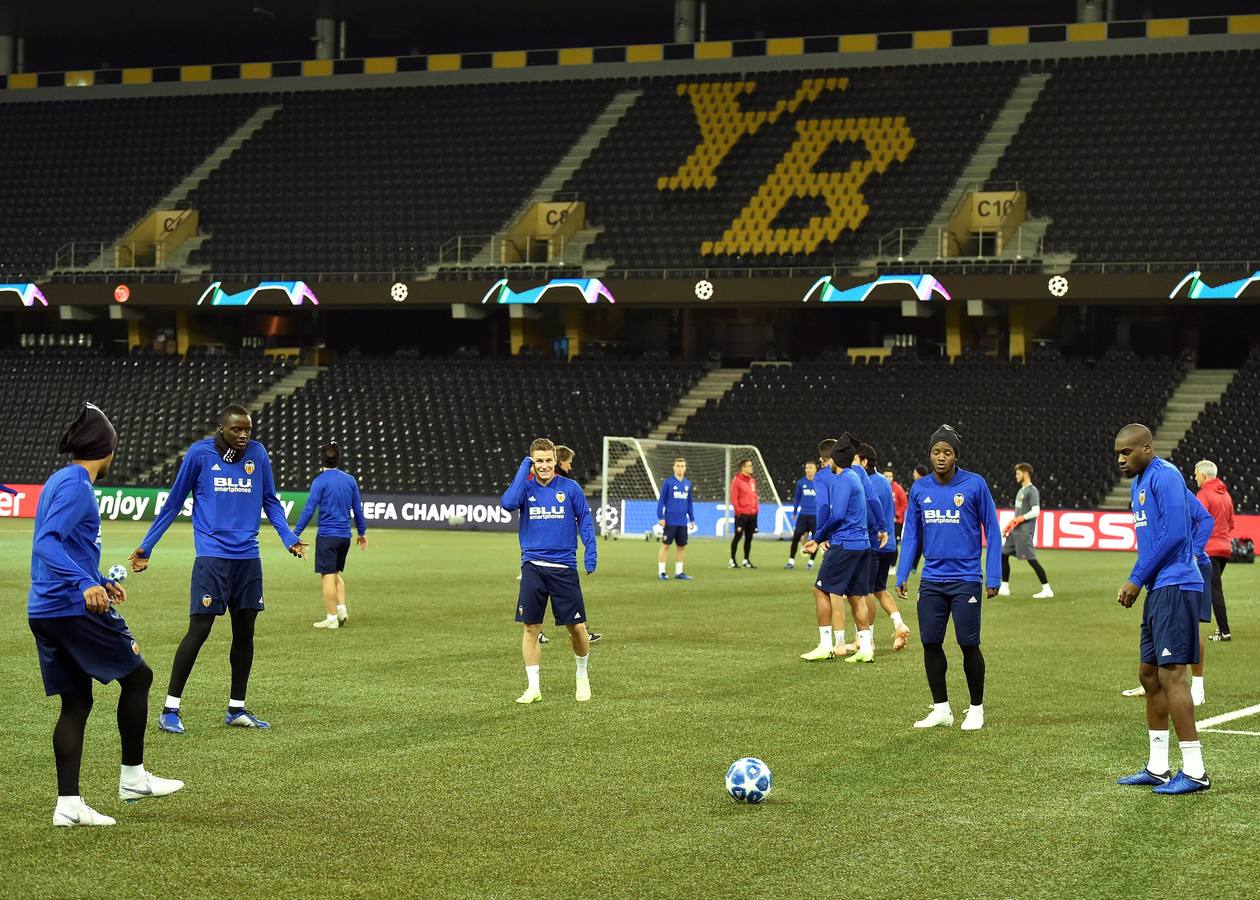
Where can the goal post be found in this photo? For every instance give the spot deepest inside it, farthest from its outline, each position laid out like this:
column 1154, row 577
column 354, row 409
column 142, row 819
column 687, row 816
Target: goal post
column 634, row 469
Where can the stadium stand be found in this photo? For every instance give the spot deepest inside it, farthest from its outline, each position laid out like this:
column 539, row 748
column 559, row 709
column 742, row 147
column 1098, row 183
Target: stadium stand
column 158, row 404
column 1216, row 435
column 405, row 169
column 462, row 426
column 1005, row 412
column 53, row 192
column 1105, row 127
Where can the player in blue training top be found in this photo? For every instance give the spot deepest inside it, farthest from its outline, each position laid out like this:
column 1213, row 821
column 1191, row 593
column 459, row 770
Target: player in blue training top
column 336, row 494
column 885, row 556
column 951, row 511
column 229, row 477
column 804, row 507
column 863, row 649
column 77, row 632
column 675, row 511
column 553, row 512
column 1170, row 616
column 840, row 504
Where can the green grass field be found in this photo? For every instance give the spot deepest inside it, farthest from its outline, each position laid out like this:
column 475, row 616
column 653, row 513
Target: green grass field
column 398, row 764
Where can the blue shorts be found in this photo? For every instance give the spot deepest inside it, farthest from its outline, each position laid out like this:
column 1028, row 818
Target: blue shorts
column 938, row 600
column 330, row 554
column 881, row 564
column 561, row 586
column 1205, row 597
column 673, row 534
column 1170, row 627
column 75, row 649
column 845, row 572
column 219, row 585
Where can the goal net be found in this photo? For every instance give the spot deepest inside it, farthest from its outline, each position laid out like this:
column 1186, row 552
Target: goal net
column 635, row 468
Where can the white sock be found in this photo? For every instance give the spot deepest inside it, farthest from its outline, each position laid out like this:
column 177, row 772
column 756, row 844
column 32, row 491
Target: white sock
column 898, row 622
column 581, row 664
column 1196, row 681
column 866, row 644
column 678, row 568
column 1192, row 759
column 133, row 775
column 531, row 675
column 1158, row 762
column 1006, row 585
column 824, row 636
column 69, row 804
column 172, row 703
column 236, row 704
column 660, row 568
column 941, row 707
column 1045, row 585
column 341, row 610
column 330, row 617
column 977, row 707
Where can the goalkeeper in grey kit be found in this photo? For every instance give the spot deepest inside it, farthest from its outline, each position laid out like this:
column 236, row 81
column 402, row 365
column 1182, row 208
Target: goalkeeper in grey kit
column 1021, row 533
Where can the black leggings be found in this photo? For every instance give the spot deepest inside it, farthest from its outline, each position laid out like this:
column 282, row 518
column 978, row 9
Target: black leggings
column 797, row 535
column 936, row 665
column 745, row 526
column 241, row 655
column 1036, row 567
column 1218, row 594
column 76, row 706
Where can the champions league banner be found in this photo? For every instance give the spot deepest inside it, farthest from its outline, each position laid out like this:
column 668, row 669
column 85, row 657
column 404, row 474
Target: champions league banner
column 437, row 512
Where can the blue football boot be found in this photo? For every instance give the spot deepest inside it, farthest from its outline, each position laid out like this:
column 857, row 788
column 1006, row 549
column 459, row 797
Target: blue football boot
column 1145, row 778
column 170, row 721
column 244, row 718
column 1184, row 784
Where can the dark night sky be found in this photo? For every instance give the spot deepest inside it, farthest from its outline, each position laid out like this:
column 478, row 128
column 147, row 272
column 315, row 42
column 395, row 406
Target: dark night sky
column 95, row 34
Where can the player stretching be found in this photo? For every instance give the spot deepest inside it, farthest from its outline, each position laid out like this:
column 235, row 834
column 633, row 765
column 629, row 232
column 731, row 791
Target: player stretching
column 885, row 556
column 745, row 506
column 77, row 632
column 229, row 477
column 1021, row 533
column 950, row 511
column 845, row 571
column 553, row 512
column 336, row 494
column 805, row 510
column 1170, row 616
column 675, row 510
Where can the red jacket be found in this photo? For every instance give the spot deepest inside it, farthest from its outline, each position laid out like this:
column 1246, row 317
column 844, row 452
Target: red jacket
column 1217, row 501
column 900, row 502
column 744, row 494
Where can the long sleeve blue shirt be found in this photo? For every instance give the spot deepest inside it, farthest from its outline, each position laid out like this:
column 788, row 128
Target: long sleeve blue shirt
column 1202, row 522
column 843, row 522
column 874, row 511
column 883, row 492
column 675, row 502
column 66, row 551
column 949, row 522
column 336, row 494
column 1161, row 520
column 552, row 516
column 803, row 498
column 228, row 501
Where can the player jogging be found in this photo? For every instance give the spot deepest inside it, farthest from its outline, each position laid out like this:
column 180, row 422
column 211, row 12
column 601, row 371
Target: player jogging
column 336, row 495
column 951, row 511
column 885, row 557
column 78, row 633
column 745, row 506
column 1170, row 615
column 229, row 477
column 675, row 511
column 553, row 512
column 804, row 509
column 1021, row 533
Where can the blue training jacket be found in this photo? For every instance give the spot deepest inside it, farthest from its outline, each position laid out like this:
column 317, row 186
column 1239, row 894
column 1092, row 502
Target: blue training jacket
column 228, row 501
column 883, row 492
column 804, row 497
column 552, row 516
column 949, row 521
column 66, row 551
column 675, row 502
column 1161, row 520
column 336, row 494
column 842, row 510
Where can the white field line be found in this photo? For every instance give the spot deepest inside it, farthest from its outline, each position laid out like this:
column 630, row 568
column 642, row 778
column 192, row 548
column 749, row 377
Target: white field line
column 1228, row 731
column 1229, row 716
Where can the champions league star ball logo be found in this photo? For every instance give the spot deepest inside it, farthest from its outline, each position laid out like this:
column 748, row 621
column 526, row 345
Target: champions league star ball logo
column 1057, row 286
column 959, row 499
column 249, row 467
column 704, row 290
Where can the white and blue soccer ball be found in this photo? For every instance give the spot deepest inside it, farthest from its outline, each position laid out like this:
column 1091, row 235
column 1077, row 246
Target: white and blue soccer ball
column 748, row 780
column 118, row 573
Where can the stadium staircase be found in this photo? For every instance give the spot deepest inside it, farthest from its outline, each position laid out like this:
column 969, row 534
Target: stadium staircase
column 178, row 196
column 287, row 385
column 547, row 190
column 978, row 169
column 1199, row 388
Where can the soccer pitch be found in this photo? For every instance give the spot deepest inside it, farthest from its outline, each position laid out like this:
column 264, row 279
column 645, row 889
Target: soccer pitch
column 398, row 763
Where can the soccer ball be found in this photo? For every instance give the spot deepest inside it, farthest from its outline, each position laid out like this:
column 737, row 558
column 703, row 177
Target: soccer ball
column 398, row 292
column 117, row 573
column 748, row 780
column 704, row 290
column 1058, row 286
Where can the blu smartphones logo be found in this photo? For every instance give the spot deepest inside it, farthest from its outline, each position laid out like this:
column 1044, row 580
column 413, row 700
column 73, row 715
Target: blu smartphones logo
column 1199, row 290
column 296, row 291
column 591, row 290
column 28, row 292
column 924, row 286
